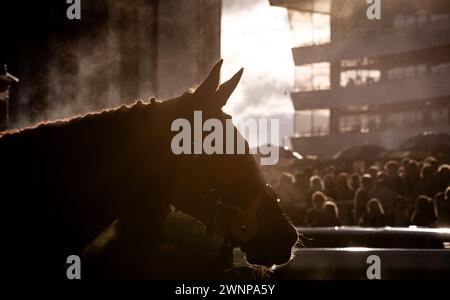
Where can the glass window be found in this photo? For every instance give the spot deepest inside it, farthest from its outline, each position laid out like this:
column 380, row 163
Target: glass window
column 439, row 117
column 309, row 28
column 421, row 70
column 359, row 77
column 410, row 71
column 312, row 122
column 406, row 119
column 312, row 77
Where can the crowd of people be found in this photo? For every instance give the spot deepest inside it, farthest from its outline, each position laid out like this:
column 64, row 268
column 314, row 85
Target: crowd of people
column 395, row 193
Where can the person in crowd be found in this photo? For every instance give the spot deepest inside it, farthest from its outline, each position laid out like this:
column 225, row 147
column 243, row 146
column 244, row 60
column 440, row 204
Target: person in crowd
column 384, row 192
column 285, row 190
column 373, row 171
column 433, row 162
column 425, row 184
column 315, row 185
column 355, row 182
column 313, row 215
column 400, row 213
column 343, row 188
column 301, row 188
column 424, row 214
column 330, row 215
column 442, row 178
column 362, row 197
column 374, row 215
column 393, row 180
column 442, row 209
column 329, row 186
column 410, row 176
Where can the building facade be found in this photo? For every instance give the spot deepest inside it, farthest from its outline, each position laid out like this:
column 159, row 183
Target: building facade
column 361, row 81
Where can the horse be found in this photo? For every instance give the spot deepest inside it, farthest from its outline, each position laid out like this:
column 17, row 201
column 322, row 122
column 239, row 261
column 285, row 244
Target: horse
column 65, row 182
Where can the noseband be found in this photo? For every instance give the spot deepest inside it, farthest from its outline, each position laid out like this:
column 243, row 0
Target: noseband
column 220, row 207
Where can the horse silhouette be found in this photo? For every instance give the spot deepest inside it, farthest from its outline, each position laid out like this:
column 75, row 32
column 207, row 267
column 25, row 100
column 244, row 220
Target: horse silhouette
column 64, row 183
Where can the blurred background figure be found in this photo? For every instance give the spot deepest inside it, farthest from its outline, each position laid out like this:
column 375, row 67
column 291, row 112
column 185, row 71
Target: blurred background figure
column 330, row 215
column 424, row 214
column 314, row 214
column 362, row 197
column 374, row 215
column 442, row 208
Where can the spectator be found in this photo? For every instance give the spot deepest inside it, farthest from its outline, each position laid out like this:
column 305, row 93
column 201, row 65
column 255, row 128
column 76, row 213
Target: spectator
column 330, row 215
column 384, row 192
column 442, row 207
column 315, row 185
column 424, row 185
column 424, row 214
column 393, row 180
column 374, row 215
column 313, row 215
column 362, row 197
column 301, row 188
column 373, row 171
column 328, row 184
column 355, row 182
column 443, row 178
column 400, row 212
column 286, row 193
column 411, row 176
column 343, row 189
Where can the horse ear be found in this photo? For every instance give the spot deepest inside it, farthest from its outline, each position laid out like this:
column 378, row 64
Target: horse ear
column 227, row 88
column 210, row 84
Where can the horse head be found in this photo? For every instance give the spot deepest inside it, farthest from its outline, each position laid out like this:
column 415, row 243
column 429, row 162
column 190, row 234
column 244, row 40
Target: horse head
column 226, row 190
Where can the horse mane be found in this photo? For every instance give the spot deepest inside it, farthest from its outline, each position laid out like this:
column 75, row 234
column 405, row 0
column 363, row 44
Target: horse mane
column 77, row 119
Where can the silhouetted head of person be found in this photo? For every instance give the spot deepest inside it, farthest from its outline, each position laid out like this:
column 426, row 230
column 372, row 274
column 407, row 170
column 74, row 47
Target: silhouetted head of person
column 316, row 183
column 373, row 171
column 442, row 207
column 392, row 168
column 382, row 178
column 400, row 211
column 425, row 213
column 444, row 173
column 433, row 162
column 328, row 182
column 366, row 181
column 318, row 200
column 412, row 168
column 447, row 193
column 330, row 210
column 355, row 181
column 301, row 179
column 426, row 172
column 374, row 207
column 286, row 179
column 342, row 181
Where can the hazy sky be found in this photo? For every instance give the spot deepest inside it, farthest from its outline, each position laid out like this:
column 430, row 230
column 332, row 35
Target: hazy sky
column 257, row 36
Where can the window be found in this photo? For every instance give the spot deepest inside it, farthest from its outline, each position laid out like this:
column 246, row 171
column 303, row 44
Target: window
column 439, row 117
column 407, row 72
column 359, row 123
column 309, row 28
column 359, row 77
column 406, row 119
column 312, row 77
column 312, row 122
column 441, row 69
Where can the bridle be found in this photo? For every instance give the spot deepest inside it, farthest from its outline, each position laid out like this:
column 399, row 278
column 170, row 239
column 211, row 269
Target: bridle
column 244, row 217
column 221, row 207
